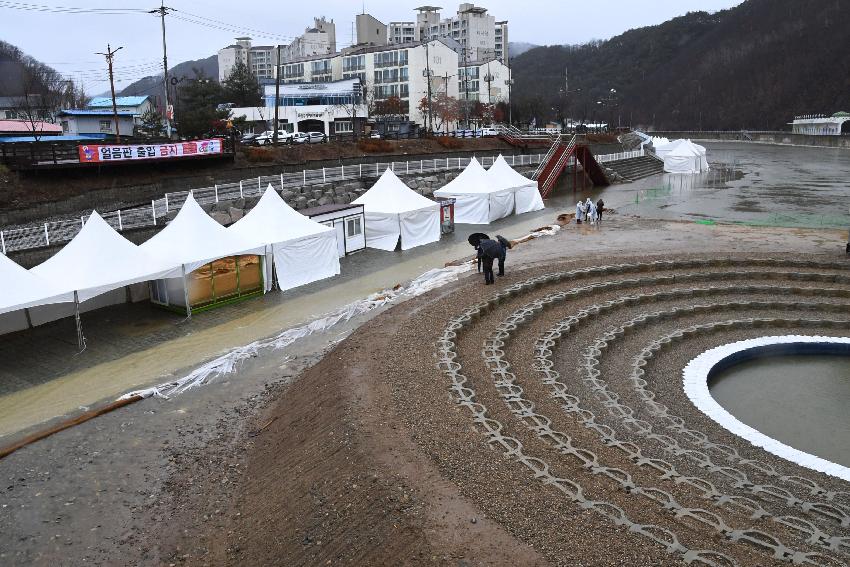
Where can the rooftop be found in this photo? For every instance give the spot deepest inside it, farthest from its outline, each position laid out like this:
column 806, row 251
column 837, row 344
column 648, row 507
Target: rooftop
column 25, row 126
column 93, row 112
column 106, row 101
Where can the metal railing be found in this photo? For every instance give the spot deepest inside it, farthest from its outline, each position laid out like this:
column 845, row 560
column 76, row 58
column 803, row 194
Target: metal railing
column 542, row 165
column 61, row 231
column 549, row 182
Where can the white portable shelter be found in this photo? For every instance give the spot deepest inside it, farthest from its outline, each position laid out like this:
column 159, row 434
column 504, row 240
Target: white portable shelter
column 526, row 193
column 477, row 200
column 304, row 251
column 98, row 260
column 23, row 289
column 194, row 239
column 394, row 210
column 683, row 156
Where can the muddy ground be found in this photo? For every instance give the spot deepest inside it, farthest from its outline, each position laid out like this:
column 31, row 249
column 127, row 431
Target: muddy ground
column 311, row 456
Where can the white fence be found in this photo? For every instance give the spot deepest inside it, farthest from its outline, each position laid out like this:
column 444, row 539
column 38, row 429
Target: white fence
column 60, row 231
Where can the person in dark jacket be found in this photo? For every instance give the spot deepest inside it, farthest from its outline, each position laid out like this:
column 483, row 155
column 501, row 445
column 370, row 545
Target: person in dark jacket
column 600, row 206
column 488, row 251
column 505, row 244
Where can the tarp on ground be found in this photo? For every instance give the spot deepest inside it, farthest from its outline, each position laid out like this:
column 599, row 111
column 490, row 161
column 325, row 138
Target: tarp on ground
column 22, row 288
column 477, row 200
column 193, row 239
column 98, row 260
column 393, row 210
column 526, row 193
column 683, row 156
column 304, row 251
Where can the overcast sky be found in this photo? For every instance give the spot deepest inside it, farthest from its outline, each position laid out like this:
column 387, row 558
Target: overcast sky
column 68, row 41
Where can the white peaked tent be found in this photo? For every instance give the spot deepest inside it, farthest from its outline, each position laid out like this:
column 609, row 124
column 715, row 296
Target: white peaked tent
column 683, row 156
column 22, row 288
column 192, row 240
column 477, row 199
column 304, row 251
column 526, row 194
column 98, row 260
column 394, row 210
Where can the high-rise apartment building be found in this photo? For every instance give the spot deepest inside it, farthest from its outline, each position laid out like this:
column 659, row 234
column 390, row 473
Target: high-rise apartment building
column 473, row 28
column 260, row 59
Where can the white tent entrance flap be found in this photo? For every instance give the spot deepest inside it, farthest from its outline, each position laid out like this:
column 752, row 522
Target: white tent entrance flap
column 526, row 194
column 212, row 265
column 303, row 250
column 393, row 210
column 478, row 201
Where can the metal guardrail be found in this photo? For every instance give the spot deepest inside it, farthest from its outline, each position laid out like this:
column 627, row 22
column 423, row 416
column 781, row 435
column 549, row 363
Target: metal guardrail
column 60, row 231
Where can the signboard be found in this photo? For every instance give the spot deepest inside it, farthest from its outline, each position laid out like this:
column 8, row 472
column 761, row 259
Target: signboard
column 95, row 153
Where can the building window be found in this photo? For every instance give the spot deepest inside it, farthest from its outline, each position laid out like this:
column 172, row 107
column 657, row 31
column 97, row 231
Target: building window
column 106, row 125
column 343, row 126
column 353, row 226
column 404, row 91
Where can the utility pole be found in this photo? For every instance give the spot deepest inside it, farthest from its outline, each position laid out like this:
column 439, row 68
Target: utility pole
column 510, row 83
column 162, row 11
column 109, row 56
column 488, row 78
column 466, row 85
column 276, row 95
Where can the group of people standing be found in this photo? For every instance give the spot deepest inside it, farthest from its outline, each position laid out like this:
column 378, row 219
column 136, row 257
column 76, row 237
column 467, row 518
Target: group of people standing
column 587, row 211
column 488, row 252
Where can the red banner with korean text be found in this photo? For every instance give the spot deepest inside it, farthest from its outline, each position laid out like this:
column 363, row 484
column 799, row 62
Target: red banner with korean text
column 95, row 153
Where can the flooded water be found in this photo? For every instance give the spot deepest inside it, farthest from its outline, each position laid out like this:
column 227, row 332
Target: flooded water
column 800, row 400
column 752, row 184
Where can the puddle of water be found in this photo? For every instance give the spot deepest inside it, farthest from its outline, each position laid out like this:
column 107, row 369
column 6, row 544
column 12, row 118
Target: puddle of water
column 800, row 400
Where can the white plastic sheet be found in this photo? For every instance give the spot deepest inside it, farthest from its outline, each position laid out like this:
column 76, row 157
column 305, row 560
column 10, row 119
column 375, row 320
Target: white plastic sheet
column 307, row 259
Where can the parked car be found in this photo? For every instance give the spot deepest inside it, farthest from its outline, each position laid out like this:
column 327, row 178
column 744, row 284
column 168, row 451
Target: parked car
column 267, row 138
column 375, row 135
column 300, row 138
column 487, row 131
column 248, row 138
column 316, row 137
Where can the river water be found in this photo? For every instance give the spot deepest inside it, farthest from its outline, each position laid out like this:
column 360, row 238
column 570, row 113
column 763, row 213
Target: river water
column 800, row 400
column 755, row 184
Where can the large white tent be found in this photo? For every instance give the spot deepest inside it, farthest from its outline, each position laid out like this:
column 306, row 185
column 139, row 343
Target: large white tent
column 477, row 199
column 394, row 210
column 98, row 260
column 190, row 241
column 304, row 251
column 526, row 193
column 683, row 156
column 22, row 288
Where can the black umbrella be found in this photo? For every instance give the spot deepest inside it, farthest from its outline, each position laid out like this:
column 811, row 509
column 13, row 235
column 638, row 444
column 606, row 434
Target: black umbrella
column 476, row 237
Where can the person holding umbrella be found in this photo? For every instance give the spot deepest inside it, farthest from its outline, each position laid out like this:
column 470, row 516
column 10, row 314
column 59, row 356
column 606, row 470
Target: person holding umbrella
column 488, row 251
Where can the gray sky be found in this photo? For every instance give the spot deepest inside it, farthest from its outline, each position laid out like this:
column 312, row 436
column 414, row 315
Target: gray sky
column 68, row 41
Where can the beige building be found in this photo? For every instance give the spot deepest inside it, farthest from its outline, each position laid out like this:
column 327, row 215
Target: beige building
column 473, row 28
column 370, row 30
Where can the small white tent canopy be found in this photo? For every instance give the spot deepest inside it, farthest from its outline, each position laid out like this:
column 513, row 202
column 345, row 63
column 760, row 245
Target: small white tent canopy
column 193, row 239
column 98, row 260
column 526, row 194
column 477, row 200
column 682, row 156
column 394, row 210
column 304, row 251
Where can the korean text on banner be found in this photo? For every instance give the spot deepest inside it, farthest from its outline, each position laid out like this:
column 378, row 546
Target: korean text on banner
column 94, row 153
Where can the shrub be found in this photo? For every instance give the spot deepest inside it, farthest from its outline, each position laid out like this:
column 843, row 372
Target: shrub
column 449, row 143
column 255, row 155
column 374, row 146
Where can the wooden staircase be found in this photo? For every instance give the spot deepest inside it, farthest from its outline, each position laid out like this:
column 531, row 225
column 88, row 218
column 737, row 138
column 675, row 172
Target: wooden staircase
column 557, row 159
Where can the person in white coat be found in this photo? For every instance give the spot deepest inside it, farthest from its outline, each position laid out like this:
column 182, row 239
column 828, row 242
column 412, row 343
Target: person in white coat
column 580, row 212
column 591, row 211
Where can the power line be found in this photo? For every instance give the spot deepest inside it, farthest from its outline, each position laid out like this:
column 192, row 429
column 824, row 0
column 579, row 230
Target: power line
column 253, row 31
column 68, row 9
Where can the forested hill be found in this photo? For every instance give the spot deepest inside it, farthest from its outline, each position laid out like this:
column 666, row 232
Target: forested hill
column 754, row 66
column 153, row 85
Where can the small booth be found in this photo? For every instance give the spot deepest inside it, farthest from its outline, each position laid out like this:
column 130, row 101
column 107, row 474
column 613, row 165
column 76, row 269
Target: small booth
column 215, row 267
column 349, row 220
column 447, row 214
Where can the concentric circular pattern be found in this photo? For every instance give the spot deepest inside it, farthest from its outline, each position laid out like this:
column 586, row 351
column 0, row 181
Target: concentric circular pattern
column 574, row 376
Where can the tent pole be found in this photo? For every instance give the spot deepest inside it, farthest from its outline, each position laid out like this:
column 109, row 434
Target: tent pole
column 29, row 319
column 272, row 275
column 81, row 340
column 186, row 293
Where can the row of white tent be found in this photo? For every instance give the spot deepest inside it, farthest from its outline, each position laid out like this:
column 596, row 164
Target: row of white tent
column 99, row 260
column 681, row 156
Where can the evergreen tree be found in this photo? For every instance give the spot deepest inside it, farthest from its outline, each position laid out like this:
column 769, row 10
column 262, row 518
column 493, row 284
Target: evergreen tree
column 241, row 86
column 196, row 110
column 152, row 125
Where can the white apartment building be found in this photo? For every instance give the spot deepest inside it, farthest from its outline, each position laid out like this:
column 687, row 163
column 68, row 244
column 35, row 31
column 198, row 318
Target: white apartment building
column 317, row 40
column 259, row 58
column 501, row 41
column 473, row 28
column 401, row 32
column 483, row 81
column 385, row 71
